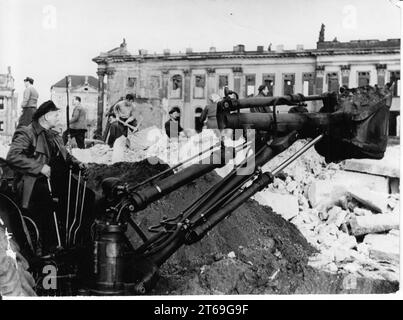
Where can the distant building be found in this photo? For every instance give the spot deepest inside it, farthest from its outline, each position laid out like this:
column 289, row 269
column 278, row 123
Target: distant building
column 8, row 104
column 86, row 87
column 187, row 79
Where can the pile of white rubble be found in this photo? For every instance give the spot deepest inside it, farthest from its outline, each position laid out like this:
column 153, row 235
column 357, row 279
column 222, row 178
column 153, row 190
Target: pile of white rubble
column 150, row 143
column 349, row 217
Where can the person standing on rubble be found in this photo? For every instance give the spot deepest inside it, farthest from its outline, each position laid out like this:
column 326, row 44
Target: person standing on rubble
column 29, row 103
column 38, row 156
column 78, row 124
column 124, row 116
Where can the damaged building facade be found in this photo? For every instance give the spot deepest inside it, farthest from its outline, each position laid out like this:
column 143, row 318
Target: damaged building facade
column 187, row 79
column 8, row 104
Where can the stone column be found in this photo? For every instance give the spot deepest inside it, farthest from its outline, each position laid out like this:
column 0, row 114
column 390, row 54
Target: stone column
column 345, row 75
column 211, row 82
column 101, row 91
column 381, row 71
column 238, row 72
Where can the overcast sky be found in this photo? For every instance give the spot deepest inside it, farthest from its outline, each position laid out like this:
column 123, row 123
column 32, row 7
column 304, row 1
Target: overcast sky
column 48, row 39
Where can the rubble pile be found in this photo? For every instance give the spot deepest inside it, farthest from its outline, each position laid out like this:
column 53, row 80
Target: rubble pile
column 148, row 143
column 354, row 227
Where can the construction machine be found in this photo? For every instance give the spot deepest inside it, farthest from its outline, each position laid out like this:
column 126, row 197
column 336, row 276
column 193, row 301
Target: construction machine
column 96, row 257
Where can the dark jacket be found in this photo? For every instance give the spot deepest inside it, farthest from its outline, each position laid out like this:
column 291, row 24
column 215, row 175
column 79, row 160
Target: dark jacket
column 79, row 118
column 175, row 126
column 28, row 153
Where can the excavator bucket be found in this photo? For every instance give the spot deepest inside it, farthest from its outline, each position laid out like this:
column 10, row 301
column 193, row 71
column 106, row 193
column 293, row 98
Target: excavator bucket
column 365, row 135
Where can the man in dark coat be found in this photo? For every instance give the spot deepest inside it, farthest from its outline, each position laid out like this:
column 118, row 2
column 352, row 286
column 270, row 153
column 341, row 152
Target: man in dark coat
column 172, row 127
column 37, row 153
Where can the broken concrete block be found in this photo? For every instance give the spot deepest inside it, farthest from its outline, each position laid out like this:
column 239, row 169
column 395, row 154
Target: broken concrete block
column 310, row 217
column 346, row 241
column 285, row 205
column 119, row 147
column 362, row 212
column 363, row 248
column 383, row 247
column 374, row 224
column 324, row 193
column 388, row 166
column 358, row 180
column 376, row 201
column 332, row 267
column 303, row 202
column 394, row 232
column 292, row 186
column 323, row 215
column 341, row 254
column 344, row 228
column 337, row 216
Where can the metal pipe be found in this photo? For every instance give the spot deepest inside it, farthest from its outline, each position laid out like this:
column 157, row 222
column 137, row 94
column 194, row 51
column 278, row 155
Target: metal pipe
column 286, row 122
column 269, row 101
column 68, row 205
column 59, row 242
column 75, row 211
column 81, row 211
column 148, row 194
column 174, row 167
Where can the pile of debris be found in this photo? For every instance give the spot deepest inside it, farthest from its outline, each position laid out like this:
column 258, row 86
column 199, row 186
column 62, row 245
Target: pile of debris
column 353, row 223
column 150, row 143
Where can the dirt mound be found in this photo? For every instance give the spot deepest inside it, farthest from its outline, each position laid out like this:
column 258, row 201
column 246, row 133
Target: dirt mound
column 127, row 172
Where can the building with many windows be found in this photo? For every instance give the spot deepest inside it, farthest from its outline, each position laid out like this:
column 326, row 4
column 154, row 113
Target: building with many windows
column 8, row 104
column 187, row 79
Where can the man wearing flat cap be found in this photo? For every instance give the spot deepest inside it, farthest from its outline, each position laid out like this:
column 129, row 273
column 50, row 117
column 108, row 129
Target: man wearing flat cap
column 36, row 154
column 29, row 103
